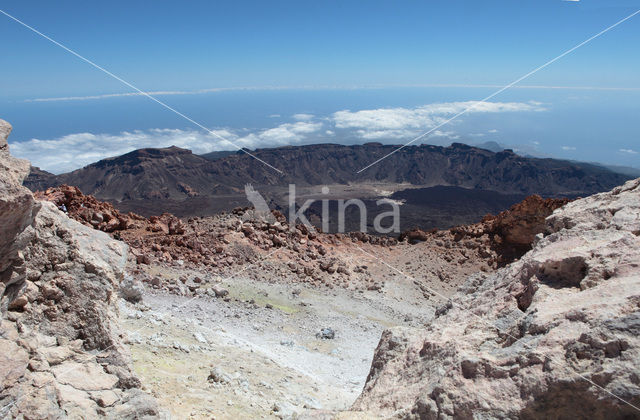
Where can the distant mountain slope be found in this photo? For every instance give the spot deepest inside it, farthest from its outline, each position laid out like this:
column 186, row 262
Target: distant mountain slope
column 39, row 180
column 177, row 173
column 625, row 170
column 169, row 173
column 491, row 145
column 218, row 155
column 426, row 165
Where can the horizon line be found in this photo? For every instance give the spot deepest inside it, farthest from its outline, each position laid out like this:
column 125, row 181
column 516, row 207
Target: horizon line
column 320, row 87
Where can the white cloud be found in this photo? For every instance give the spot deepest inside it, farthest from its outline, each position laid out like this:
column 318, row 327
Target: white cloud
column 397, row 123
column 568, row 148
column 447, row 134
column 630, row 151
column 287, row 133
column 303, row 117
column 493, row 131
column 385, row 119
column 384, row 134
column 537, row 143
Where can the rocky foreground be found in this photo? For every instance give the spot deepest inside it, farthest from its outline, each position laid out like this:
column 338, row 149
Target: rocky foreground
column 221, row 243
column 553, row 335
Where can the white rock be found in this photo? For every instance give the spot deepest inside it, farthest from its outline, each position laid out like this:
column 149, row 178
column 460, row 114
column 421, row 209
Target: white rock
column 520, row 343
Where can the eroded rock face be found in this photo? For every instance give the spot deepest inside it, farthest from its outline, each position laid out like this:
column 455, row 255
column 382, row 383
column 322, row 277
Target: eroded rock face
column 17, row 206
column 60, row 351
column 519, row 225
column 553, row 335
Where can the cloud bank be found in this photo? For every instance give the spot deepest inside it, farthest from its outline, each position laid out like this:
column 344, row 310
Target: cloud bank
column 398, row 123
column 73, row 151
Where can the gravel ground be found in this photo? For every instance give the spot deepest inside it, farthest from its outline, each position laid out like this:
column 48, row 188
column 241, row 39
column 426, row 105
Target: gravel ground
column 260, row 342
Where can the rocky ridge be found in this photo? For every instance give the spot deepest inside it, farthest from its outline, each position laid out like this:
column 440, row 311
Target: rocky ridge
column 61, row 355
column 146, row 180
column 552, row 335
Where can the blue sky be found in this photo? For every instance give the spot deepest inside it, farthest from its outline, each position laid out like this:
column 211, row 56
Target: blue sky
column 348, row 55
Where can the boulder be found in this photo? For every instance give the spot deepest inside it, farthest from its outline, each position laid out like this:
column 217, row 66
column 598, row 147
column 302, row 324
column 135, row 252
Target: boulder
column 217, row 375
column 219, row 291
column 84, row 376
column 326, row 334
column 131, row 289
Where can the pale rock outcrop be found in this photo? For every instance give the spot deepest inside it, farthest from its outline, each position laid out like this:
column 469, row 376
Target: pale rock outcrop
column 60, row 351
column 555, row 334
column 17, row 206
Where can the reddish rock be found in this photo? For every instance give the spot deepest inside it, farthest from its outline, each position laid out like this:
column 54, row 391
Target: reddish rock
column 507, row 235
